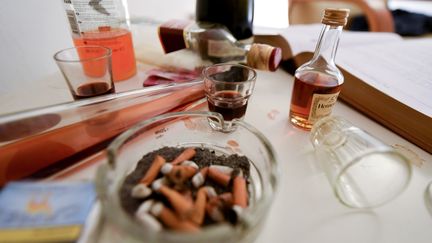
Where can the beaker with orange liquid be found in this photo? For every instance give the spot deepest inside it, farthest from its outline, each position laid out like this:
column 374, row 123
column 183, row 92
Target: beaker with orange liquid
column 103, row 23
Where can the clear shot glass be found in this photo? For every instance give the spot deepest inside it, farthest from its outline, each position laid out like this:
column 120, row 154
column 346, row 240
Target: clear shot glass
column 228, row 88
column 87, row 70
column 363, row 171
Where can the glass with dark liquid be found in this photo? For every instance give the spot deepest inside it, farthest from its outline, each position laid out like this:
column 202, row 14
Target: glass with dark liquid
column 228, row 88
column 93, row 89
column 87, row 70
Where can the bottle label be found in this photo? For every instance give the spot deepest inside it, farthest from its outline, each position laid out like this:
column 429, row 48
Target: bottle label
column 322, row 105
column 85, row 15
column 223, row 48
column 171, row 35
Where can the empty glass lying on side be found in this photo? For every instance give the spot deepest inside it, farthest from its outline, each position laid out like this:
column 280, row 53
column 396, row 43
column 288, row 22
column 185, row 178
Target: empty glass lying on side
column 363, row 171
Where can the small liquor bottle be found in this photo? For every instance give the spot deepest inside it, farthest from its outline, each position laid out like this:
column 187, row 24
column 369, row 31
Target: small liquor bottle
column 215, row 43
column 318, row 82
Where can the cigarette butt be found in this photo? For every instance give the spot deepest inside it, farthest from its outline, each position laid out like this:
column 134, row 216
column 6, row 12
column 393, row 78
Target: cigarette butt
column 166, row 168
column 237, row 172
column 190, row 163
column 235, row 214
column 179, row 174
column 238, row 210
column 169, row 218
column 188, row 196
column 226, row 198
column 218, row 177
column 214, row 212
column 200, row 206
column 223, row 169
column 141, row 191
column 163, row 181
column 215, row 201
column 187, row 154
column 157, row 184
column 211, row 192
column 181, row 205
column 199, row 178
column 148, row 221
column 153, row 171
column 145, row 206
column 240, row 195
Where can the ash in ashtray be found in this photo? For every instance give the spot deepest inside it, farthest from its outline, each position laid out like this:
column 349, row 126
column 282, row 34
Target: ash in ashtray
column 186, row 188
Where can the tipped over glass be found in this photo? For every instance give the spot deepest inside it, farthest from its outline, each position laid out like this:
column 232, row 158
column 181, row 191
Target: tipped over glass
column 363, row 171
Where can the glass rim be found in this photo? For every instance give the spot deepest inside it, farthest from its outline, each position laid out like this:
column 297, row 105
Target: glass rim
column 358, row 160
column 251, row 79
column 108, row 53
column 317, row 125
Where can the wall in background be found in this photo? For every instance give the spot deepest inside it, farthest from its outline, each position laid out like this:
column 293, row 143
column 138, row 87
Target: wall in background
column 417, row 6
column 31, row 31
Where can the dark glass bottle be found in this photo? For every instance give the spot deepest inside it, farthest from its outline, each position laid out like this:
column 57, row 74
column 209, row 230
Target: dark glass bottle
column 236, row 15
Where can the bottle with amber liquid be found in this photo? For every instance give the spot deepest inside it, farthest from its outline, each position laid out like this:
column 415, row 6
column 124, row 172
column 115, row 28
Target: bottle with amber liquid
column 215, row 43
column 103, row 23
column 318, row 82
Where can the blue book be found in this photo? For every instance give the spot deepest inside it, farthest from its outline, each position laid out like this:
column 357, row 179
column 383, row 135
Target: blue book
column 44, row 211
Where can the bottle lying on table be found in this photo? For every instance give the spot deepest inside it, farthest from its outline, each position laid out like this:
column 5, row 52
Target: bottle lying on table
column 214, row 42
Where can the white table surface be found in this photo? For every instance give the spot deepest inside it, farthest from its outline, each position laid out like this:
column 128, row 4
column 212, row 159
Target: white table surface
column 305, row 208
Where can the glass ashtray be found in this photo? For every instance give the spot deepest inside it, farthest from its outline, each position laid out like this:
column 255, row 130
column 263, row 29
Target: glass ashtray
column 187, row 129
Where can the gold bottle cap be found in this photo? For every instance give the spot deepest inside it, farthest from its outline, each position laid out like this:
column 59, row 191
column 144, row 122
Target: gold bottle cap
column 335, row 17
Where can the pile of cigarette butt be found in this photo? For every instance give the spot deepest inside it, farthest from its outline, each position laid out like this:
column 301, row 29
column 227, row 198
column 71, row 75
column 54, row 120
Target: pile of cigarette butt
column 185, row 195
